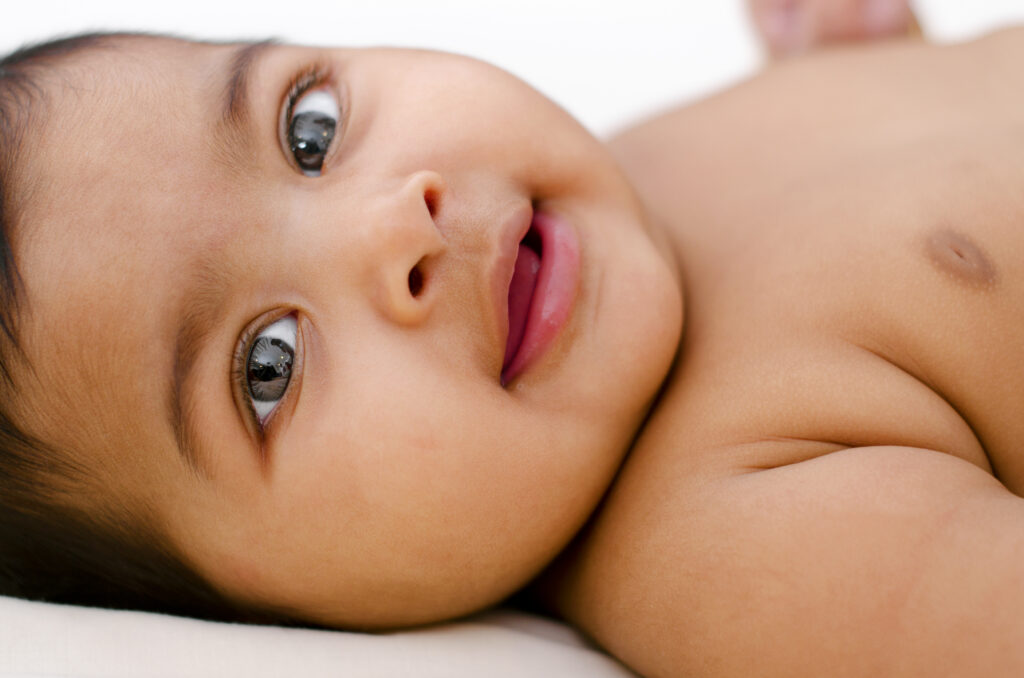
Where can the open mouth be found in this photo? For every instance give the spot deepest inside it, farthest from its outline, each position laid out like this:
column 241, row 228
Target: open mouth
column 520, row 294
column 542, row 292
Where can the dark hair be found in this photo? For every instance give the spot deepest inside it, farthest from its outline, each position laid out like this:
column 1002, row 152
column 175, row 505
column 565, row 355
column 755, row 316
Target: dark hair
column 51, row 548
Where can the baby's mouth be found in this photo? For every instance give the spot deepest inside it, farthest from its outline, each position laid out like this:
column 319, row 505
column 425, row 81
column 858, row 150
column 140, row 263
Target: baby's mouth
column 542, row 294
column 520, row 294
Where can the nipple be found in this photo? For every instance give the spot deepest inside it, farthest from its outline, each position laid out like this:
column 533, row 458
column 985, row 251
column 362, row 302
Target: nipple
column 959, row 257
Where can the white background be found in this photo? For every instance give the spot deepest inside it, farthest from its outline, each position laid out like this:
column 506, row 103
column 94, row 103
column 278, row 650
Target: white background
column 607, row 61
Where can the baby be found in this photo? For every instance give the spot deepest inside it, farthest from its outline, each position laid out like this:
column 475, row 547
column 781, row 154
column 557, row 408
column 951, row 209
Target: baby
column 361, row 338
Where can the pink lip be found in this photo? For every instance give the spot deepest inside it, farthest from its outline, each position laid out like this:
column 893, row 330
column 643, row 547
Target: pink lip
column 554, row 294
column 511, row 233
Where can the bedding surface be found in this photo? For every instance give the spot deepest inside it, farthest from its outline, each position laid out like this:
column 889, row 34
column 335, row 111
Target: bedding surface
column 45, row 641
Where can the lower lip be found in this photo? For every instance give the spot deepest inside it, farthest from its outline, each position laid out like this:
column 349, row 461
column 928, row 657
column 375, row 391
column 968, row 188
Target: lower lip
column 554, row 295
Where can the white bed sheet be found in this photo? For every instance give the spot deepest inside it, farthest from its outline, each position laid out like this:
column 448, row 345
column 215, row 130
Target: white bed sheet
column 45, row 641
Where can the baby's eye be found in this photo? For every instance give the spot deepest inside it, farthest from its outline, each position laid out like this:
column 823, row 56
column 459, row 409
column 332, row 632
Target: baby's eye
column 268, row 368
column 313, row 119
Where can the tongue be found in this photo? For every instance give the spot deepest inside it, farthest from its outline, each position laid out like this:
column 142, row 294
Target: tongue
column 524, row 279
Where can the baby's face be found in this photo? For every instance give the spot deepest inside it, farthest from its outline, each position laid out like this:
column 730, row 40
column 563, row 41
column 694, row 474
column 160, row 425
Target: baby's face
column 297, row 368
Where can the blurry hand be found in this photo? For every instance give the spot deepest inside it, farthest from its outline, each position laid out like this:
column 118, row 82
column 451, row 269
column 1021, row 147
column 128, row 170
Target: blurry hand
column 793, row 26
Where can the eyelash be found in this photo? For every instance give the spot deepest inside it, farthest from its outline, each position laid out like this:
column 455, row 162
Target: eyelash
column 306, row 80
column 309, row 78
column 240, row 371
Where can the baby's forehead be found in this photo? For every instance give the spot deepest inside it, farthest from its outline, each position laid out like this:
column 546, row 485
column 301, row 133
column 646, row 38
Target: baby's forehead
column 129, row 66
column 104, row 90
column 117, row 141
column 108, row 112
column 91, row 62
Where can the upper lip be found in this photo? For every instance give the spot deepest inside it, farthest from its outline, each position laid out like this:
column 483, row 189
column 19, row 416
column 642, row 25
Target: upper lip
column 511, row 232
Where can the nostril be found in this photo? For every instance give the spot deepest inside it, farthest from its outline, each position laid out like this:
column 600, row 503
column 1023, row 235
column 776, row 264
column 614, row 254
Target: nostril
column 431, row 197
column 415, row 281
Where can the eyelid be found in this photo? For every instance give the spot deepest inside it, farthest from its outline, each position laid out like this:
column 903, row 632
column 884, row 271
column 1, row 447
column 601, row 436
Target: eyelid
column 239, row 370
column 312, row 77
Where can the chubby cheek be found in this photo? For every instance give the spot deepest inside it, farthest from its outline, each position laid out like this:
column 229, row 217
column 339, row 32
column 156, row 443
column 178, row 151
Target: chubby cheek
column 465, row 118
column 417, row 456
column 434, row 491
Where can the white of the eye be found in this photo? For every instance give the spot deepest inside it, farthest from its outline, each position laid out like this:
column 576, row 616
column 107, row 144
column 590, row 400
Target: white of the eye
column 286, row 330
column 319, row 101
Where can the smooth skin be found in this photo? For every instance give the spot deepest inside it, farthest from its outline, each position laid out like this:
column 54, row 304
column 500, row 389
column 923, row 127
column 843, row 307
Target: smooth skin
column 398, row 481
column 831, row 484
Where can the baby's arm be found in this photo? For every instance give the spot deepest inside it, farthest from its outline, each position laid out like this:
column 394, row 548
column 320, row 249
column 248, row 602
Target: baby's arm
column 863, row 562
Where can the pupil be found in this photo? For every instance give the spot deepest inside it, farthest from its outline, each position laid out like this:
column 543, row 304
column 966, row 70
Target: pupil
column 269, row 369
column 310, row 135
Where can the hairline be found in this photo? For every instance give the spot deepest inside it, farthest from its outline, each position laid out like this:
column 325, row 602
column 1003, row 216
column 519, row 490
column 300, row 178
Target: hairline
column 48, row 483
column 24, row 106
column 23, row 99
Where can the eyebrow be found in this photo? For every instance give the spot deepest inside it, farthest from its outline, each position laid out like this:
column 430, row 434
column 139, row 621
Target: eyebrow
column 200, row 308
column 203, row 302
column 242, row 64
column 232, row 129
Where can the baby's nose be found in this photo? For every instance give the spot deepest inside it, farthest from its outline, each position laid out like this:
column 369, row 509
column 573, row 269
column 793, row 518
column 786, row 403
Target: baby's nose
column 405, row 247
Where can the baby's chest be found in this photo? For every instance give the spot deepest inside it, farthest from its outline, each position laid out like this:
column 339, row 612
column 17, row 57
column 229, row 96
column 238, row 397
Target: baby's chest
column 887, row 333
column 864, row 289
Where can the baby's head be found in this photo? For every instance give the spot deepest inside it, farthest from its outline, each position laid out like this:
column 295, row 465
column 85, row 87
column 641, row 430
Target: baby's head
column 256, row 329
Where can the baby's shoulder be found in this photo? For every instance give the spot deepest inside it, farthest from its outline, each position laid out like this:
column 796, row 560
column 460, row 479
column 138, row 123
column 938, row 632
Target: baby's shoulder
column 849, row 230
column 815, row 487
column 801, row 499
column 829, row 476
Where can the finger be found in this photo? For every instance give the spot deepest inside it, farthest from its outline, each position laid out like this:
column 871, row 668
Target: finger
column 862, row 19
column 785, row 26
column 914, row 29
column 794, row 26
